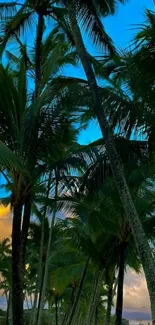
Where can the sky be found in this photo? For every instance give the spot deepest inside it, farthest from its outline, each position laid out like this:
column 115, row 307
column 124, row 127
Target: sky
column 121, row 28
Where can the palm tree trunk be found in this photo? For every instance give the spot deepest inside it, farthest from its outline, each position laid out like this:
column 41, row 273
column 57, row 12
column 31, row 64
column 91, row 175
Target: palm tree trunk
column 70, row 305
column 119, row 302
column 116, row 165
column 94, row 296
column 42, row 295
column 10, row 311
column 56, row 311
column 25, row 228
column 112, row 285
column 8, row 308
column 59, row 312
column 27, row 303
column 109, row 304
column 79, row 320
column 41, row 266
column 17, row 274
column 31, row 299
column 39, row 276
column 25, row 225
column 41, row 290
column 71, row 319
column 96, row 316
column 23, row 237
column 34, row 309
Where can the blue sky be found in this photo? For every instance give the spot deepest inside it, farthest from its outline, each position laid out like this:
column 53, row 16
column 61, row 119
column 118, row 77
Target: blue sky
column 127, row 17
column 121, row 27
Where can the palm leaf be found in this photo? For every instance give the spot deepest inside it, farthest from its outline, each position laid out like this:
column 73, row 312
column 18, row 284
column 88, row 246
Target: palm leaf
column 63, row 276
column 89, row 18
column 7, row 9
column 16, row 26
column 9, row 160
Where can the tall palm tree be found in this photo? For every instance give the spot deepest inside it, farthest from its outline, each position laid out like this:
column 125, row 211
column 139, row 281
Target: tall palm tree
column 65, row 274
column 115, row 163
column 5, row 271
column 141, row 241
column 48, row 66
column 98, row 205
column 18, row 133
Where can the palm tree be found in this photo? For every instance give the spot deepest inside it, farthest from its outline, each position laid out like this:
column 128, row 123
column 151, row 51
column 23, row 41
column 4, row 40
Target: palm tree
column 18, row 125
column 5, row 271
column 98, row 205
column 117, row 168
column 51, row 90
column 65, row 274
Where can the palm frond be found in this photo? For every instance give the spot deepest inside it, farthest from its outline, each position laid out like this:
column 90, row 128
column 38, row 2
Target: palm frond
column 16, row 25
column 90, row 21
column 9, row 160
column 8, row 9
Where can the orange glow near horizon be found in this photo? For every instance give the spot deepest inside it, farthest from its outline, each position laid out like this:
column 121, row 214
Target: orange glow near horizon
column 5, row 222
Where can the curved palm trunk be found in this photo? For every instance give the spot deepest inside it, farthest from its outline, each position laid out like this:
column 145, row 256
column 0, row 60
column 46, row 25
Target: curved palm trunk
column 35, row 302
column 45, row 275
column 41, row 290
column 39, row 282
column 72, row 317
column 40, row 274
column 119, row 302
column 8, row 308
column 25, row 228
column 17, row 274
column 109, row 304
column 70, row 305
column 96, row 316
column 94, row 297
column 39, row 36
column 27, row 302
column 79, row 320
column 10, row 311
column 116, row 165
column 56, row 311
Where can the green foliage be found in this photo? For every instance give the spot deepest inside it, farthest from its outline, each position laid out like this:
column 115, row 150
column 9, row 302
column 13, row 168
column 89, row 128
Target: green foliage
column 39, row 133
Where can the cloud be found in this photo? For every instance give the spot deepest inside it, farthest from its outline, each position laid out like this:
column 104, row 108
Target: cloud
column 136, row 296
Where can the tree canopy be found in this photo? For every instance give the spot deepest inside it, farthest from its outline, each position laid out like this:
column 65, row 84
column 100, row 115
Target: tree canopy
column 82, row 215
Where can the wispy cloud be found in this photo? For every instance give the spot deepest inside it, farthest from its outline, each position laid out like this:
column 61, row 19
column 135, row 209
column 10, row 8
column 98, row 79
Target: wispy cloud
column 136, row 296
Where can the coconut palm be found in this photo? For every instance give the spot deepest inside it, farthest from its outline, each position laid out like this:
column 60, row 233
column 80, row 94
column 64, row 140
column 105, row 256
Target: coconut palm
column 117, row 168
column 47, row 63
column 97, row 212
column 20, row 120
column 84, row 9
column 24, row 15
column 64, row 274
column 5, row 271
